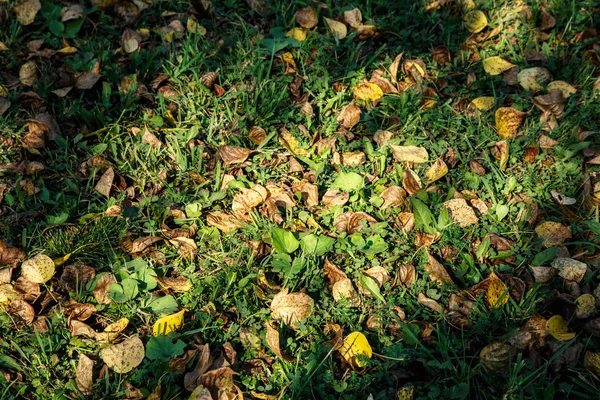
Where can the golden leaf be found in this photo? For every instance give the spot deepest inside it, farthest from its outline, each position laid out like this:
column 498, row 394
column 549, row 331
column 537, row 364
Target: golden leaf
column 532, row 79
column 27, row 10
column 167, row 324
column 566, row 89
column 179, row 284
column 367, row 91
column 125, row 356
column 38, row 269
column 557, row 327
column 496, row 65
column 112, row 331
column 484, row 103
column 349, row 116
column 296, row 33
column 591, row 361
column 338, row 29
column 354, row 347
column 475, row 21
column 233, row 154
column 508, row 121
column 553, row 233
column 437, row 170
column 8, row 293
column 497, row 292
column 586, row 305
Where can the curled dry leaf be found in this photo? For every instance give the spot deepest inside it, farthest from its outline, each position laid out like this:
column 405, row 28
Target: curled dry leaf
column 495, row 356
column 437, row 272
column 533, row 79
column 496, row 65
column 355, row 348
column 86, row 80
column 291, row 307
column 335, row 197
column 565, row 88
column 485, row 103
column 569, row 269
column 557, row 327
column 125, row 356
column 112, row 331
column 436, row 171
column 307, row 17
column 309, row 193
column 38, row 269
column 411, row 181
column 430, row 303
column 223, row 221
column 353, row 17
column 27, row 10
column 508, row 121
column 141, row 244
column 103, row 284
column 192, row 379
column 586, row 305
column 247, row 199
column 77, row 275
column 349, row 116
column 257, row 134
column 84, row 375
column 414, row 154
column 337, row 341
column 272, row 338
column 543, row 274
column 393, row 197
column 337, row 28
column 475, row 21
column 10, row 255
column 461, row 213
column 130, row 40
column 333, row 273
column 406, row 275
column 350, row 222
column 233, row 154
column 553, row 233
column 367, row 91
column 21, row 311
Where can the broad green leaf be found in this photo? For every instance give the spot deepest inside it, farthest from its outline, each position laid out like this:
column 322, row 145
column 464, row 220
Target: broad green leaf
column 501, row 211
column 162, row 348
column 163, row 305
column 124, row 291
column 370, row 284
column 422, row 214
column 545, row 256
column 284, row 241
column 483, row 248
column 314, row 244
column 348, row 182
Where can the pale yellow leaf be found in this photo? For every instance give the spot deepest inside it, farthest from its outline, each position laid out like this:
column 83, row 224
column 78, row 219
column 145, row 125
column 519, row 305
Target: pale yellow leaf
column 484, row 103
column 475, row 21
column 38, row 269
column 125, row 356
column 496, row 65
column 338, row 29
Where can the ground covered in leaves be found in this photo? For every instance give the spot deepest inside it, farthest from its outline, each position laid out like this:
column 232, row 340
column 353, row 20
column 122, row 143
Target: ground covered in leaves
column 291, row 199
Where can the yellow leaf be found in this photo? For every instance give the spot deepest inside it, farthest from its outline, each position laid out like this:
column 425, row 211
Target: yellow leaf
column 475, row 21
column 38, row 269
column 436, row 171
column 557, row 327
column 67, row 50
column 415, row 154
column 564, row 87
column 591, row 361
column 297, row 33
column 496, row 65
column 168, row 324
column 586, row 305
column 61, row 260
column 367, row 91
column 194, row 27
column 125, row 356
column 112, row 331
column 8, row 293
column 484, row 103
column 27, row 10
column 338, row 29
column 356, row 345
column 508, row 121
column 553, row 233
column 497, row 293
column 288, row 59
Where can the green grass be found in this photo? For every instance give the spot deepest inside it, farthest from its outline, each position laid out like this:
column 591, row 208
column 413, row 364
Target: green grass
column 177, row 184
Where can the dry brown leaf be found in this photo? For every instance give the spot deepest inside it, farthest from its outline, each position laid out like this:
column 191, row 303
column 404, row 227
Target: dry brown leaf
column 21, row 311
column 378, row 274
column 10, row 255
column 332, row 272
column 79, row 311
column 508, row 121
column 441, row 55
column 272, row 338
column 78, row 328
column 104, row 185
column 461, row 213
column 223, row 221
column 569, row 269
column 411, row 181
column 394, row 67
column 430, row 303
column 233, row 154
column 290, row 308
column 344, row 289
column 191, row 380
column 86, row 80
column 393, row 197
column 406, row 275
column 27, row 10
column 547, row 142
column 84, row 375
column 495, row 356
column 103, row 284
column 553, row 233
column 125, row 356
column 437, row 272
column 150, row 139
column 28, row 73
column 412, row 154
column 309, row 193
column 186, row 247
column 4, row 106
column 353, row 158
column 436, row 171
column 307, row 17
column 76, row 276
column 353, row 18
column 257, row 134
column 543, row 274
column 247, row 199
column 180, row 284
column 350, row 222
column 334, row 197
column 141, row 244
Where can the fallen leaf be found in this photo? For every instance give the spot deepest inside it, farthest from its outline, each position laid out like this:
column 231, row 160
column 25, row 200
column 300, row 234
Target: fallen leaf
column 353, row 158
column 21, row 311
column 430, row 303
column 411, row 181
column 565, row 88
column 547, row 143
column 272, row 338
column 344, row 289
column 569, row 269
column 307, row 17
column 104, row 185
column 38, row 269
column 27, row 11
column 436, row 171
column 532, row 79
column 84, row 374
column 28, row 73
column 353, row 17
column 192, row 379
column 393, row 197
column 223, row 221
column 291, row 307
column 103, row 284
column 508, row 121
column 495, row 356
column 543, row 274
column 367, row 91
column 71, row 12
column 335, row 197
column 553, row 233
column 125, row 356
column 441, row 55
column 349, row 116
column 412, row 154
column 475, row 21
column 257, row 134
column 586, row 305
column 406, row 275
column 484, row 103
column 233, row 154
column 167, row 324
column 497, row 292
column 338, row 29
column 112, row 331
column 10, row 255
column 86, row 80
column 180, row 284
column 461, row 213
column 200, row 393
column 557, row 327
column 591, row 361
column 355, row 348
column 496, row 65
column 8, row 293
column 76, row 276
column 437, row 272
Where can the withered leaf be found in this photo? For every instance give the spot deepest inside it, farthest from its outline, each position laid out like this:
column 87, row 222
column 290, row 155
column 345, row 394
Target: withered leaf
column 393, row 196
column 86, row 80
column 233, row 154
column 437, row 272
column 461, row 213
column 335, row 197
column 495, row 356
column 430, row 303
column 349, row 116
column 27, row 10
column 104, row 185
column 291, row 307
column 272, row 338
column 307, row 17
column 84, row 374
column 412, row 154
column 103, row 284
column 21, row 311
column 28, row 73
column 406, row 274
column 223, row 221
column 508, row 121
